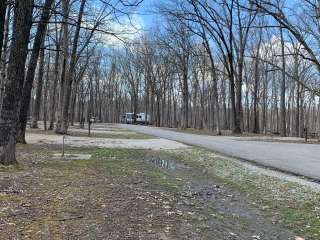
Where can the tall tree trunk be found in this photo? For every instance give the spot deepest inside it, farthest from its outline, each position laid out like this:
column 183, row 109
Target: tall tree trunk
column 233, row 114
column 70, row 75
column 73, row 105
column 65, row 53
column 4, row 51
column 283, row 90
column 45, row 96
column 54, row 83
column 224, row 106
column 185, row 99
column 27, row 87
column 3, row 7
column 215, row 82
column 246, row 122
column 9, row 111
column 37, row 103
column 265, row 102
column 297, row 125
column 238, row 111
column 256, row 128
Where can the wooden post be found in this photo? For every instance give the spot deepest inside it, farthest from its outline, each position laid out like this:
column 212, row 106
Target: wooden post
column 305, row 134
column 89, row 129
column 63, row 140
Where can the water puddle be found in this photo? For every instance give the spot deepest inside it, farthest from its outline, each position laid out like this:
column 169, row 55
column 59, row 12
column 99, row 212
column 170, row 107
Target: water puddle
column 167, row 164
column 72, row 156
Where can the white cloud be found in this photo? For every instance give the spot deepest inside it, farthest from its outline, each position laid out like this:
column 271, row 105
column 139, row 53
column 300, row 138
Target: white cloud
column 126, row 30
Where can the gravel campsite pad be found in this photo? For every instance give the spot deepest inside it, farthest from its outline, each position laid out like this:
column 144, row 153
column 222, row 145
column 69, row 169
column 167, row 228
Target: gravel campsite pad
column 97, row 132
column 73, row 141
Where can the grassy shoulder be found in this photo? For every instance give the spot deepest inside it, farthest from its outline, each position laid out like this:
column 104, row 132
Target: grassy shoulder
column 289, row 204
column 247, row 136
column 211, row 132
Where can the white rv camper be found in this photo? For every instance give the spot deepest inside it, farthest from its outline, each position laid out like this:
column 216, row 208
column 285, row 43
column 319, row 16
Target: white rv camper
column 130, row 118
column 142, row 118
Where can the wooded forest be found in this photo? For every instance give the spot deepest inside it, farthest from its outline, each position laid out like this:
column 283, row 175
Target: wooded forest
column 230, row 66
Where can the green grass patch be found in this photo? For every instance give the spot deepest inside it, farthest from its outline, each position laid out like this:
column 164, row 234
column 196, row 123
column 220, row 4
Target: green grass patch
column 293, row 205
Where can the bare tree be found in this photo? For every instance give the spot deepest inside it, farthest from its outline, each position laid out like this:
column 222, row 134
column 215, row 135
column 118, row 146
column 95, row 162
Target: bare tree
column 27, row 87
column 39, row 89
column 11, row 100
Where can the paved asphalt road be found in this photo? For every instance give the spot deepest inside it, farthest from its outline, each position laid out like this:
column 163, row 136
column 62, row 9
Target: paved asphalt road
column 296, row 158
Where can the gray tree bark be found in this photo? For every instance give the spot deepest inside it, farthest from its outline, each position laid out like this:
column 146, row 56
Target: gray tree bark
column 3, row 7
column 37, row 103
column 27, row 87
column 63, row 127
column 9, row 111
column 283, row 90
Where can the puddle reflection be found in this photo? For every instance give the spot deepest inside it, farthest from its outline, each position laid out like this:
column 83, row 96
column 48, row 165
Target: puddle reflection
column 166, row 164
